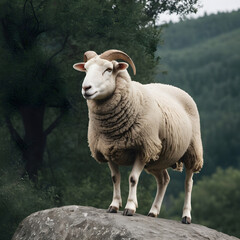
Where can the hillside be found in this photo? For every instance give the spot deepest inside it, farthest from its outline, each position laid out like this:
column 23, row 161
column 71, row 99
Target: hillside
column 194, row 31
column 202, row 57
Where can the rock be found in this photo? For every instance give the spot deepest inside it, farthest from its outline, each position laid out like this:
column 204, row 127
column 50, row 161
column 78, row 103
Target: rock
column 77, row 222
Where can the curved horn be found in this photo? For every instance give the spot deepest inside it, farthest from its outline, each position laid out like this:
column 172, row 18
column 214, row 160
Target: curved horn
column 117, row 54
column 88, row 55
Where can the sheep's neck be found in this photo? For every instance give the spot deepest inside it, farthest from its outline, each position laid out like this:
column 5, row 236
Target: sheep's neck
column 115, row 116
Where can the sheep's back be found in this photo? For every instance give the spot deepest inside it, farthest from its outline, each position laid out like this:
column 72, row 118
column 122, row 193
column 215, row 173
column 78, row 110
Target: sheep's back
column 174, row 96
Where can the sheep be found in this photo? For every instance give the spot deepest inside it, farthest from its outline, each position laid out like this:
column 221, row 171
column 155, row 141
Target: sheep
column 151, row 127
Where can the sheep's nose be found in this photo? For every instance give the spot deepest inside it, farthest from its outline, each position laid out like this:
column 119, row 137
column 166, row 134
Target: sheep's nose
column 85, row 88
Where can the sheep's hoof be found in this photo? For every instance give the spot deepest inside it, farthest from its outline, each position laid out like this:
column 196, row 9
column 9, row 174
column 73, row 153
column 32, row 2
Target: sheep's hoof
column 128, row 212
column 152, row 215
column 186, row 220
column 112, row 209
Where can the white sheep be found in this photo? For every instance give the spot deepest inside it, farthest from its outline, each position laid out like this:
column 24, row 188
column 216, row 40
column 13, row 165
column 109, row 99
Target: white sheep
column 151, row 127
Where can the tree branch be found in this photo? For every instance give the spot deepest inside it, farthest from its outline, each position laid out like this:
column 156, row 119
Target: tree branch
column 55, row 122
column 35, row 16
column 34, row 13
column 14, row 134
column 24, row 6
column 60, row 50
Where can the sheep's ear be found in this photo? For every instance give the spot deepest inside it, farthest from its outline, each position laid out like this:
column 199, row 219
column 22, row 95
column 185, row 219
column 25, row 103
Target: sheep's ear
column 121, row 66
column 80, row 66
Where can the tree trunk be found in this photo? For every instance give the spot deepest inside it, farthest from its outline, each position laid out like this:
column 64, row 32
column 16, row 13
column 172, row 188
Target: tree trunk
column 34, row 139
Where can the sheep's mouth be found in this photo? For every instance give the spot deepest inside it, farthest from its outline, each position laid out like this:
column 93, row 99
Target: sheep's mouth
column 86, row 95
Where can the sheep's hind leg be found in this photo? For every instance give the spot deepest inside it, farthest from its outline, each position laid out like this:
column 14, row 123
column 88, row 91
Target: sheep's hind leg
column 132, row 203
column 116, row 178
column 162, row 179
column 186, row 216
column 193, row 161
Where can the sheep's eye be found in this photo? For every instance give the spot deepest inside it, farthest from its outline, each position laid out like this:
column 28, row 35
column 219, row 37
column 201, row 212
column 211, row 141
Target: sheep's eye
column 108, row 70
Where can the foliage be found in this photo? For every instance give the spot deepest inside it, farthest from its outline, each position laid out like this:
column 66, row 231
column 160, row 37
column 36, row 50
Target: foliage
column 14, row 207
column 215, row 201
column 187, row 34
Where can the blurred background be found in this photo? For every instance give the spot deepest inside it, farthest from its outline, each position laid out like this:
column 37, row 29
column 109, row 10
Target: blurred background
column 45, row 161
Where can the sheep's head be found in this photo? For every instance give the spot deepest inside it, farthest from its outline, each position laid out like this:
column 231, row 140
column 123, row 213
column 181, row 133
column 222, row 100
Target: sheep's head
column 101, row 71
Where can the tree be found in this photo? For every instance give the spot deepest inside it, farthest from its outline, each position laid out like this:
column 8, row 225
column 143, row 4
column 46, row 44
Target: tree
column 30, row 80
column 39, row 40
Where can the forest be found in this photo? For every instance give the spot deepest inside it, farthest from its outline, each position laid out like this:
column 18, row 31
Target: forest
column 43, row 114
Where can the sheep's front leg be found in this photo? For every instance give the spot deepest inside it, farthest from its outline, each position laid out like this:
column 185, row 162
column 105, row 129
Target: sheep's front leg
column 116, row 178
column 132, row 203
column 186, row 217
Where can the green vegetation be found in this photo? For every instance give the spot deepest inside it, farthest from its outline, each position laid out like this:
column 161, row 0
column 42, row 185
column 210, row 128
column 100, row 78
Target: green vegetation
column 40, row 41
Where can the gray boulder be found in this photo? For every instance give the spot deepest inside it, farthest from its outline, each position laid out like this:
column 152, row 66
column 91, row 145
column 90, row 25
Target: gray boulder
column 77, row 222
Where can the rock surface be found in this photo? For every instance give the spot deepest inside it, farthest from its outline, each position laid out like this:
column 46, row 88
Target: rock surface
column 77, row 222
